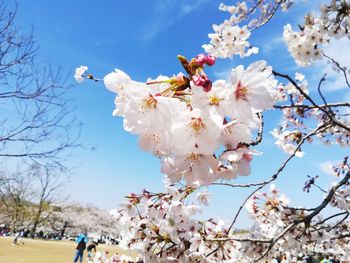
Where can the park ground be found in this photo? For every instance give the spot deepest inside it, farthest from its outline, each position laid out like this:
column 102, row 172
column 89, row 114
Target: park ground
column 42, row 251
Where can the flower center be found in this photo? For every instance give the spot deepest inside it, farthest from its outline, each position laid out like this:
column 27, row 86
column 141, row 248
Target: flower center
column 214, row 100
column 149, row 103
column 194, row 159
column 197, row 125
column 241, row 92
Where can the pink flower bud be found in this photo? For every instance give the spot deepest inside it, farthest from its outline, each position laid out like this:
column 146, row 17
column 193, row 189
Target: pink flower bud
column 201, row 59
column 198, row 80
column 207, row 85
column 210, row 60
column 248, row 157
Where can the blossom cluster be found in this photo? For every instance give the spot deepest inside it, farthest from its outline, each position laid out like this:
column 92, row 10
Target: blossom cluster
column 231, row 37
column 228, row 40
column 292, row 127
column 306, row 46
column 186, row 120
column 335, row 18
column 299, row 117
column 160, row 226
column 272, row 215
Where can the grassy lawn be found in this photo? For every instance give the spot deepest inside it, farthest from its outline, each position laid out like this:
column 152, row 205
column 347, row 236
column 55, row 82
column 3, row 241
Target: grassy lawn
column 42, row 251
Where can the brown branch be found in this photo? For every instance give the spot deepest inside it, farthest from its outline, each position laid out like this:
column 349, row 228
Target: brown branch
column 328, row 105
column 330, row 217
column 270, row 16
column 328, row 198
column 253, row 240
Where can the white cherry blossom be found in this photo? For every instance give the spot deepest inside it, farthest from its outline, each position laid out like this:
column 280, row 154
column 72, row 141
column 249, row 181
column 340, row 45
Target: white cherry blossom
column 79, row 73
column 250, row 91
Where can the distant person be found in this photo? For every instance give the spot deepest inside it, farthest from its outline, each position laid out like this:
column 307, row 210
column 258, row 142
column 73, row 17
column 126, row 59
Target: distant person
column 335, row 260
column 308, row 259
column 15, row 240
column 80, row 250
column 284, row 259
column 325, row 260
column 89, row 249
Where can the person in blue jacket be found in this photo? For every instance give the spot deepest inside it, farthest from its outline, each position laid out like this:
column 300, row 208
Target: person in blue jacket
column 79, row 253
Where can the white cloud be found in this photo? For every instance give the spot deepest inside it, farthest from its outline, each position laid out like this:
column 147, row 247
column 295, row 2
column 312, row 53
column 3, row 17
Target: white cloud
column 326, row 167
column 223, row 74
column 273, row 44
column 189, row 8
column 161, row 19
column 165, row 14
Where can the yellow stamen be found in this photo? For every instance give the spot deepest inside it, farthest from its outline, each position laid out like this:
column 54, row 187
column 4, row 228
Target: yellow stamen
column 149, row 103
column 197, row 125
column 214, row 100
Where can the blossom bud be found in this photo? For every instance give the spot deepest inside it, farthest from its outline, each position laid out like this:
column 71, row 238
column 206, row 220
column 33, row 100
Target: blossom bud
column 198, row 80
column 201, row 59
column 247, row 156
column 207, row 85
column 210, row 60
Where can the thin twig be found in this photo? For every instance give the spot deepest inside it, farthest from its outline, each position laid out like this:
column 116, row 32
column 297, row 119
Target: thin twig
column 319, row 89
column 339, row 67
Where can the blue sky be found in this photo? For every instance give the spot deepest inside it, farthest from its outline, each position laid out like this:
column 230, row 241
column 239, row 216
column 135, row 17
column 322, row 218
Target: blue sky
column 143, row 38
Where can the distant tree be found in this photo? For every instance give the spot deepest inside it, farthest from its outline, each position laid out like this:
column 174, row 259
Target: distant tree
column 28, row 197
column 74, row 218
column 14, row 195
column 47, row 184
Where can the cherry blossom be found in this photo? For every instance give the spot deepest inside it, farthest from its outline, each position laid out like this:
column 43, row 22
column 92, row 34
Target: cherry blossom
column 250, row 91
column 79, row 73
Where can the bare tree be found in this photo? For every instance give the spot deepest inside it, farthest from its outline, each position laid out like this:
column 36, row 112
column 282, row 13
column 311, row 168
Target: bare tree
column 47, row 184
column 28, row 198
column 14, row 196
column 35, row 116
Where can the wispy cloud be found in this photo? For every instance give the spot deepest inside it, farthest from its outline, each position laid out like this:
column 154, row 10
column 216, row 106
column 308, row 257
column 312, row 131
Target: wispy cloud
column 165, row 14
column 270, row 45
column 223, row 74
column 162, row 18
column 326, row 167
column 189, row 8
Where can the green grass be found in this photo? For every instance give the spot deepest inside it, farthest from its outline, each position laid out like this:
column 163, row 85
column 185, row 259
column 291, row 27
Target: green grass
column 42, row 251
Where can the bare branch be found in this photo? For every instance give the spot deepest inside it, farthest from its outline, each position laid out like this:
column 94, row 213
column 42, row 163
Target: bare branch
column 342, row 69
